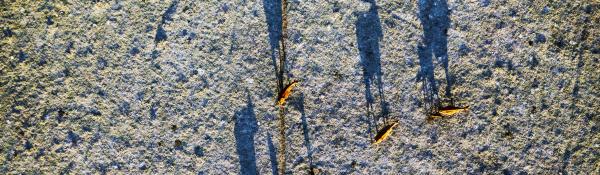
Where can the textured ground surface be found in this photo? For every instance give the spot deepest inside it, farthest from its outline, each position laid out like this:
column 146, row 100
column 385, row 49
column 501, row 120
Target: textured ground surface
column 189, row 86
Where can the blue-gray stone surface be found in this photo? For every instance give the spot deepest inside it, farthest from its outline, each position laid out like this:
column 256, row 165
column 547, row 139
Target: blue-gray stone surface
column 189, row 87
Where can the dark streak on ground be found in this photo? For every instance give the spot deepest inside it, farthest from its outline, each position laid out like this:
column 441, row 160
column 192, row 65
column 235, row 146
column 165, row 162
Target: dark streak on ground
column 246, row 127
column 272, row 155
column 433, row 15
column 578, row 51
column 306, row 131
column 273, row 16
column 166, row 17
column 368, row 36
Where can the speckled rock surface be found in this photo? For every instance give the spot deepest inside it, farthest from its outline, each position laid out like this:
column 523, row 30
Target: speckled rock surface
column 189, row 87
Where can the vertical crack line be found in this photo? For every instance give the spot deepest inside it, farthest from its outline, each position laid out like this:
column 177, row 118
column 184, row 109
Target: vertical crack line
column 282, row 59
column 283, row 37
column 282, row 141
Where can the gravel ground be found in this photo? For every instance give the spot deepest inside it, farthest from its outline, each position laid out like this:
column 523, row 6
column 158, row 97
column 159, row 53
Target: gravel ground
column 186, row 87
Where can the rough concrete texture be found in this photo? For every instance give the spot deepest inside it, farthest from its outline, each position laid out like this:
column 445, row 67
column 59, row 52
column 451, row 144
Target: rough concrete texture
column 186, row 87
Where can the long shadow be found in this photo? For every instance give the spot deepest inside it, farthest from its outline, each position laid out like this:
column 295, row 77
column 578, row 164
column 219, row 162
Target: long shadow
column 566, row 157
column 300, row 107
column 433, row 15
column 245, row 129
column 272, row 155
column 161, row 34
column 579, row 49
column 273, row 13
column 368, row 35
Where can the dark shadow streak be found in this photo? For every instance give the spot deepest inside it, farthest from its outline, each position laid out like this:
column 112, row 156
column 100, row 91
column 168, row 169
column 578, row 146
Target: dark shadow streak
column 272, row 155
column 433, row 15
column 273, row 14
column 161, row 34
column 245, row 129
column 300, row 107
column 566, row 157
column 368, row 35
column 579, row 55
